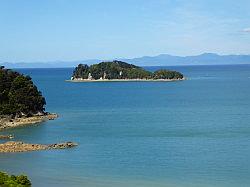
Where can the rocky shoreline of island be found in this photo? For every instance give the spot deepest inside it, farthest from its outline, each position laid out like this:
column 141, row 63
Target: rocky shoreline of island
column 125, row 80
column 7, row 122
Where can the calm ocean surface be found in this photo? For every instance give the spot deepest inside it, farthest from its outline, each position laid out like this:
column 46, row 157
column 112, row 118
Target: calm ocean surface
column 194, row 133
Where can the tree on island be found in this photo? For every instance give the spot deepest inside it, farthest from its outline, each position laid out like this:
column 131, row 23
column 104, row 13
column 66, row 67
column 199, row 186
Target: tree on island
column 167, row 74
column 120, row 70
column 18, row 94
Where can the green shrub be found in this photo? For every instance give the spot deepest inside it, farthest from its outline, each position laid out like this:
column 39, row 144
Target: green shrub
column 14, row 181
column 167, row 74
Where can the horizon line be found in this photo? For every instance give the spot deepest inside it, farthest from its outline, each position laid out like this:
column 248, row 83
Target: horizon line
column 120, row 58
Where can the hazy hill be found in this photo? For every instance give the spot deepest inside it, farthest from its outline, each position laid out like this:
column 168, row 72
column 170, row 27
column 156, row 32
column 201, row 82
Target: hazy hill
column 160, row 60
column 203, row 59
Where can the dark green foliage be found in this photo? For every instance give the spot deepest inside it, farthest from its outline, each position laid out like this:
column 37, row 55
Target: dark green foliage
column 137, row 73
column 167, row 74
column 112, row 70
column 18, row 94
column 121, row 70
column 81, row 71
column 14, row 181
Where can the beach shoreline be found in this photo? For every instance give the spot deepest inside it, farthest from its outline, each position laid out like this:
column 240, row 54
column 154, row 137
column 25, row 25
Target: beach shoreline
column 125, row 80
column 8, row 122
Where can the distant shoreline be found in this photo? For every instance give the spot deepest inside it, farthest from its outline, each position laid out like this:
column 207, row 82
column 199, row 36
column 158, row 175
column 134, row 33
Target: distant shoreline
column 125, row 80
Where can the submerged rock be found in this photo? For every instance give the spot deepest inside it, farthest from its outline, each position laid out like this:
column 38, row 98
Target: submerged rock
column 62, row 145
column 13, row 146
column 6, row 136
column 18, row 146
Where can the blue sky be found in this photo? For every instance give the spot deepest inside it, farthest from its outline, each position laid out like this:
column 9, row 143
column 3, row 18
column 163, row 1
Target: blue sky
column 51, row 30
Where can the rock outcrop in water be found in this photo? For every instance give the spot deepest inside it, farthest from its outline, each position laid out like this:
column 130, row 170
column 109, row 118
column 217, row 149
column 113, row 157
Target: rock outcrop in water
column 18, row 146
column 62, row 145
column 6, row 137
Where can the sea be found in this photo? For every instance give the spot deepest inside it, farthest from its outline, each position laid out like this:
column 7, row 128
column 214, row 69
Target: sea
column 192, row 133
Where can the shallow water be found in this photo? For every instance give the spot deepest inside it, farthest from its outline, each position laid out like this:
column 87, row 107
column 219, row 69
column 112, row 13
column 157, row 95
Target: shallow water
column 157, row 134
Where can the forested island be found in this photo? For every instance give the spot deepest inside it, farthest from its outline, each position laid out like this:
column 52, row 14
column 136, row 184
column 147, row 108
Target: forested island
column 21, row 102
column 121, row 71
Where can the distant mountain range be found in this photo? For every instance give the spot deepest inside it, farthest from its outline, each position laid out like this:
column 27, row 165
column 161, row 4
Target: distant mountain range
column 160, row 60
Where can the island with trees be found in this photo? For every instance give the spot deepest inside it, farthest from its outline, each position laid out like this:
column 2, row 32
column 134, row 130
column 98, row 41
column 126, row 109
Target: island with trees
column 121, row 71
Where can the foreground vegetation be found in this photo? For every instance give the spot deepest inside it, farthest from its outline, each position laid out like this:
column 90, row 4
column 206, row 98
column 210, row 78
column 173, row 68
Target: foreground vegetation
column 18, row 95
column 14, row 181
column 120, row 70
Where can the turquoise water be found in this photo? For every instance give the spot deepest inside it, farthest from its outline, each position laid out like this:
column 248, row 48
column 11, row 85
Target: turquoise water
column 141, row 134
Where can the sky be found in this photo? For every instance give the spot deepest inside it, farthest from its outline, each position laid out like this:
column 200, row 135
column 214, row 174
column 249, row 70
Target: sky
column 51, row 30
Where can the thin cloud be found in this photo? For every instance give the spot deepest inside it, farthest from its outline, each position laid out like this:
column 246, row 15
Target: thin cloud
column 246, row 30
